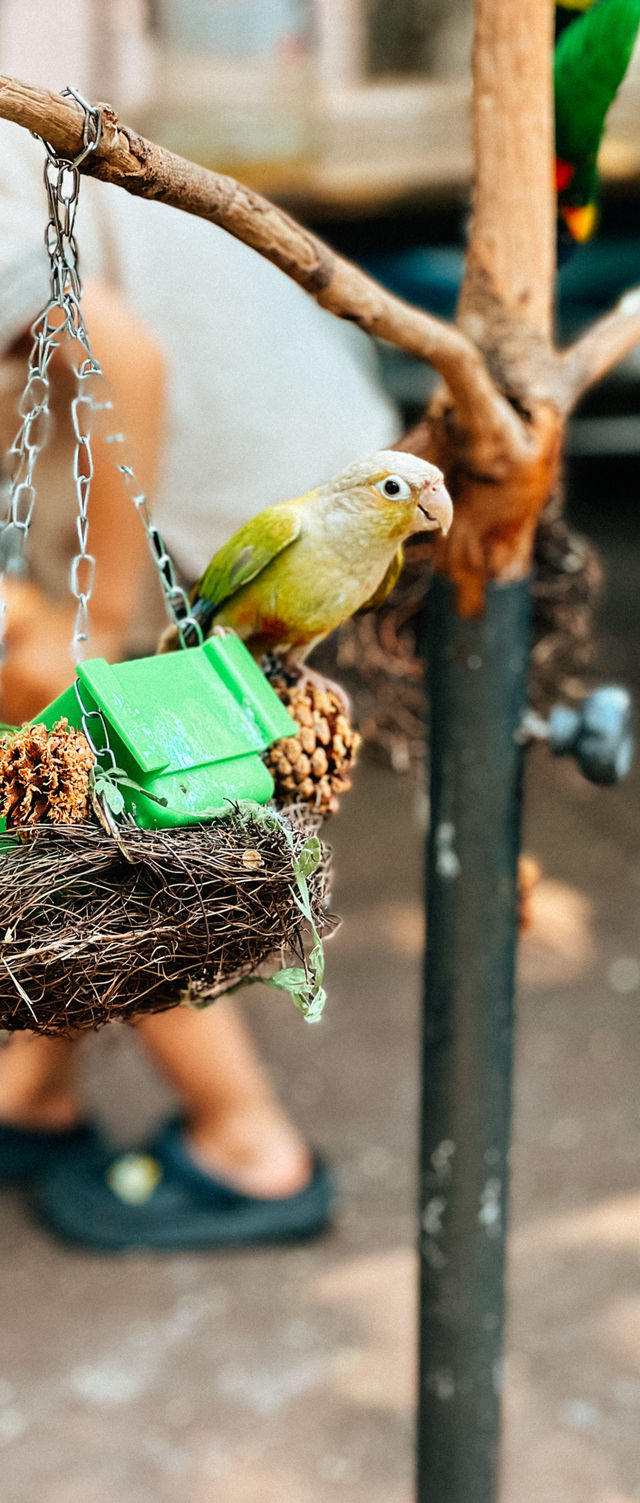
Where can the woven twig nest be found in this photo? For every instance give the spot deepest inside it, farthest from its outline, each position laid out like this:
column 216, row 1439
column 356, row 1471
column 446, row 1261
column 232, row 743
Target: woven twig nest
column 96, row 928
column 315, row 766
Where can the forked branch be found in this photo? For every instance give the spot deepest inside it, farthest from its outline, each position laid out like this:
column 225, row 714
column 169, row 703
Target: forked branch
column 150, row 171
column 600, row 349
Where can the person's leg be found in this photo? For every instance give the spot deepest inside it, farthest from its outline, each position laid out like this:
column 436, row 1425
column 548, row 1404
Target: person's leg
column 236, row 1126
column 231, row 1172
column 37, row 1088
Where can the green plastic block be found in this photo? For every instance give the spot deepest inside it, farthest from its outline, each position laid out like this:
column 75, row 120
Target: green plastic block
column 189, row 727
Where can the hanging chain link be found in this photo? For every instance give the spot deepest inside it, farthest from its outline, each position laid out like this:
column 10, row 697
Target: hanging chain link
column 106, row 761
column 87, row 715
column 176, row 600
column 62, row 318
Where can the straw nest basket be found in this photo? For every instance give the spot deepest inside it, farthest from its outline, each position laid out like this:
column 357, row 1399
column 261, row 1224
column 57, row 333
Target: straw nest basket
column 95, row 927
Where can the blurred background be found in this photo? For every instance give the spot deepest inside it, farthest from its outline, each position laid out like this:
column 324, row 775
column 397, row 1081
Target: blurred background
column 352, row 113
column 284, row 1376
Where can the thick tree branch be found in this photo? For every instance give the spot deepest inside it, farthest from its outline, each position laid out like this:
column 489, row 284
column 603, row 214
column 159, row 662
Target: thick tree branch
column 507, row 295
column 129, row 161
column 600, row 349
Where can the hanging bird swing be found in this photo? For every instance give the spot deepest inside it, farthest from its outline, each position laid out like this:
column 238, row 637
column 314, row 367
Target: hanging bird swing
column 143, row 861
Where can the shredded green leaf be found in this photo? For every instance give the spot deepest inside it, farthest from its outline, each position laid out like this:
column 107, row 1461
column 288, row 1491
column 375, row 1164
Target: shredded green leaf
column 305, row 985
column 108, row 783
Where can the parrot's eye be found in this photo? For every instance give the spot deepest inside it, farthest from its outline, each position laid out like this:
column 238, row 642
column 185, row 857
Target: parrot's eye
column 395, row 488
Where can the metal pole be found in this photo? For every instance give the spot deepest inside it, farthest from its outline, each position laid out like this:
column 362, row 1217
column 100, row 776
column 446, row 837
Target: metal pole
column 477, row 673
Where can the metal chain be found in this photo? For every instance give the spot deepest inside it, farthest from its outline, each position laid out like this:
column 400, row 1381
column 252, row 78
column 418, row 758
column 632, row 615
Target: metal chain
column 176, row 600
column 34, row 407
column 86, row 717
column 62, row 317
column 105, row 751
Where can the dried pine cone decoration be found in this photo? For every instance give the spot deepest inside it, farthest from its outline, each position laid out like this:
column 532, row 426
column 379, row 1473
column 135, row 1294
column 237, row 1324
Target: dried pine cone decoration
column 314, row 766
column 44, row 775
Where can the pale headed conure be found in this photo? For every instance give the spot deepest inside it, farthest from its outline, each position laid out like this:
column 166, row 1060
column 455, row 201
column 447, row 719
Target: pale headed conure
column 296, row 570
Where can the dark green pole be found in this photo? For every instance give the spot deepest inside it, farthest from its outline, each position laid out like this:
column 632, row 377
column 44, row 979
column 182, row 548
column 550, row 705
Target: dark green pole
column 477, row 671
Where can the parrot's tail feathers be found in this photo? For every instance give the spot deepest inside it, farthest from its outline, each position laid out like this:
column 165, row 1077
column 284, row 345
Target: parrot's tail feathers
column 203, row 612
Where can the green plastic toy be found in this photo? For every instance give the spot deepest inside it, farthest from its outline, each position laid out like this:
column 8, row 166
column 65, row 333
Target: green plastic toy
column 188, row 727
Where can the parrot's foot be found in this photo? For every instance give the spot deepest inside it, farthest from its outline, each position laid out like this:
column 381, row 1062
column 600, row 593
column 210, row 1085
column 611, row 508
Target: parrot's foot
column 169, row 641
column 326, row 685
column 296, row 675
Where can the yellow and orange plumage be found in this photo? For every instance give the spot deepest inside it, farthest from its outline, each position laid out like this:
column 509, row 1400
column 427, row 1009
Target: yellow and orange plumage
column 296, row 570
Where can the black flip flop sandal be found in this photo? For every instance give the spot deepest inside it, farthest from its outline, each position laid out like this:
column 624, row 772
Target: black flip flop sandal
column 159, row 1199
column 25, row 1154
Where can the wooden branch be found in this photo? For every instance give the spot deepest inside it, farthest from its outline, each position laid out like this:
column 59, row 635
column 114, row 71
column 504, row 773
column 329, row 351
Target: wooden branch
column 599, row 350
column 511, row 261
column 129, row 161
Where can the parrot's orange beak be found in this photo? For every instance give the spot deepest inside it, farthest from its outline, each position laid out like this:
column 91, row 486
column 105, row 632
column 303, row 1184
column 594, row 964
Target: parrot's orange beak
column 436, row 506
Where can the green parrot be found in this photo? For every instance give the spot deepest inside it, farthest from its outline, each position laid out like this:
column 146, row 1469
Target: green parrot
column 568, row 11
column 593, row 48
column 295, row 571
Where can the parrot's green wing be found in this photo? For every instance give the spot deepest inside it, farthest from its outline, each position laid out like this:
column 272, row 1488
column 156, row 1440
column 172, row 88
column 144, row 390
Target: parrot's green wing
column 590, row 60
column 248, row 552
column 386, row 585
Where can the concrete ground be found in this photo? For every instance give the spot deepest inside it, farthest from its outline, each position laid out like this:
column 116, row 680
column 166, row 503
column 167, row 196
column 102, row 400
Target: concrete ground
column 287, row 1376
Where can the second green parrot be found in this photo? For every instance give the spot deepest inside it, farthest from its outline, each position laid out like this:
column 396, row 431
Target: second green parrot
column 592, row 53
column 295, row 571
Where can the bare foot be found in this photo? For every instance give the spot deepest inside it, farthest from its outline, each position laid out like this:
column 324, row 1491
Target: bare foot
column 256, row 1156
column 37, row 1084
column 53, row 1114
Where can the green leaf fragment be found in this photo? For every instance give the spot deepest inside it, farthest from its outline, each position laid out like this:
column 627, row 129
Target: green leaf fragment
column 312, row 1008
column 113, row 797
column 306, row 862
column 107, row 784
column 291, row 978
column 316, row 959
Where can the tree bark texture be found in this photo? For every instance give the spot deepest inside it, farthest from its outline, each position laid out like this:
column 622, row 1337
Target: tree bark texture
column 511, row 260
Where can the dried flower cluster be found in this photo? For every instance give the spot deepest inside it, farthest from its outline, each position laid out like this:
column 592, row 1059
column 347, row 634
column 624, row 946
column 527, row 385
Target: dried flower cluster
column 314, row 766
column 45, row 775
